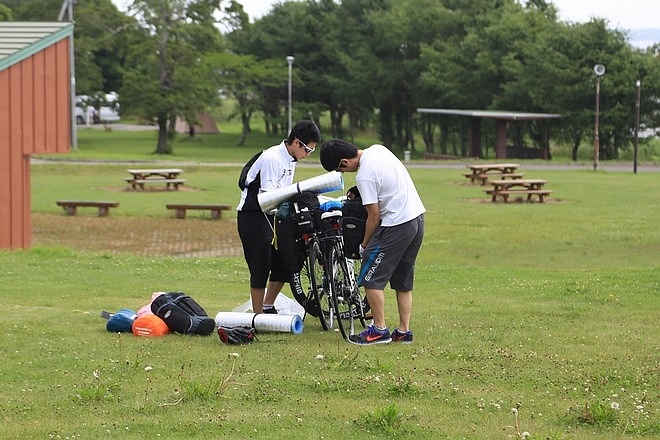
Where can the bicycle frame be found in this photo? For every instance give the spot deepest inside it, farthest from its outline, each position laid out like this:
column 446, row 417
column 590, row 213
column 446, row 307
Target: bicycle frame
column 327, row 285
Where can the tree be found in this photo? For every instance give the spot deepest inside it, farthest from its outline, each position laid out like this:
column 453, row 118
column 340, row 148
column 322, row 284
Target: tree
column 288, row 30
column 5, row 13
column 247, row 80
column 166, row 74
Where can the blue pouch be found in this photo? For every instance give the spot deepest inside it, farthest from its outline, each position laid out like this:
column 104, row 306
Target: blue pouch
column 331, row 205
column 122, row 321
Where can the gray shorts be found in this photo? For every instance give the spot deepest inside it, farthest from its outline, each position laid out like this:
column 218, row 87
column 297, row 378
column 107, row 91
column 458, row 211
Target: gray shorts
column 390, row 256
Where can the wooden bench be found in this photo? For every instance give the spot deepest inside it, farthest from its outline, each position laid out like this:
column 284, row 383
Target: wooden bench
column 71, row 206
column 541, row 193
column 170, row 183
column 181, row 209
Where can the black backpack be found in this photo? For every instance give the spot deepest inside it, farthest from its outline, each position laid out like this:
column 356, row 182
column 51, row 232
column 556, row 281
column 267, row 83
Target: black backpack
column 246, row 168
column 295, row 217
column 182, row 314
column 354, row 218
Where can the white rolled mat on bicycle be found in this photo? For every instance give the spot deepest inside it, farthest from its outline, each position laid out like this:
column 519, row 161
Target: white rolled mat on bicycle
column 332, row 181
column 261, row 321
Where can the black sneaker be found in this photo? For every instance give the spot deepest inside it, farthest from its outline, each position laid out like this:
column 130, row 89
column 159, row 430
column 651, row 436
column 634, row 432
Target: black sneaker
column 403, row 337
column 371, row 336
column 270, row 311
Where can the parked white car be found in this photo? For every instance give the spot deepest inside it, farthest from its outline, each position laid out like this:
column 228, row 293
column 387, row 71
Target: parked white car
column 108, row 111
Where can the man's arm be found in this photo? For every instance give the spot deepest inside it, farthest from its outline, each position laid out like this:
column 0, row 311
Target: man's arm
column 373, row 221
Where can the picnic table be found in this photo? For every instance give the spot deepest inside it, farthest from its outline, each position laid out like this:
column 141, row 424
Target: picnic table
column 529, row 187
column 168, row 176
column 485, row 171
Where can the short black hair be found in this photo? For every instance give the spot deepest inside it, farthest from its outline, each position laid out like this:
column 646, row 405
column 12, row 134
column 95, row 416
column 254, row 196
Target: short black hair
column 333, row 151
column 305, row 131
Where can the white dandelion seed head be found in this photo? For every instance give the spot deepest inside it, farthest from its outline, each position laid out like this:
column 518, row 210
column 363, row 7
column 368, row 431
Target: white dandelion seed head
column 96, row 374
column 234, row 355
column 319, row 357
column 525, row 434
column 514, row 411
column 148, row 368
column 614, row 405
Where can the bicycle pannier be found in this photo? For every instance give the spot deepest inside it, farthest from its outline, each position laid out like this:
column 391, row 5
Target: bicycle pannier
column 295, row 217
column 354, row 218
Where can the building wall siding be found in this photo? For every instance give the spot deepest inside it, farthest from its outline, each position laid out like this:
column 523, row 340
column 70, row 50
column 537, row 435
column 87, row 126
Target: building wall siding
column 35, row 118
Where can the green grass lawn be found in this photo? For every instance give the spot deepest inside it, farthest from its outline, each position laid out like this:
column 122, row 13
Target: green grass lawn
column 547, row 308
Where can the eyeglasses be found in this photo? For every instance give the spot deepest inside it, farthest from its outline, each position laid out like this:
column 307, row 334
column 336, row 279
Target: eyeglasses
column 308, row 150
column 340, row 165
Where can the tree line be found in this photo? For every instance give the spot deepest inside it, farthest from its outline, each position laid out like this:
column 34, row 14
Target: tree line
column 365, row 63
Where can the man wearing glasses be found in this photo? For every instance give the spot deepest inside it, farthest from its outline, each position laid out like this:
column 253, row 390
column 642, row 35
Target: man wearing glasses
column 273, row 169
column 393, row 233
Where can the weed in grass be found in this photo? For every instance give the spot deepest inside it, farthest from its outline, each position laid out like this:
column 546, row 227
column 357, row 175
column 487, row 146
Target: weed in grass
column 598, row 414
column 96, row 391
column 211, row 388
column 611, row 414
column 388, row 420
column 348, row 361
column 579, row 287
column 403, row 386
column 516, row 424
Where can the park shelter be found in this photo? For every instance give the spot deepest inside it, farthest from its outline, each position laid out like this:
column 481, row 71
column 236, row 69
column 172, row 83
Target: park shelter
column 502, row 121
column 205, row 125
column 35, row 114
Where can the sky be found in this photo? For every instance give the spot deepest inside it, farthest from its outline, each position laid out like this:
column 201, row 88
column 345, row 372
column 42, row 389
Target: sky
column 640, row 17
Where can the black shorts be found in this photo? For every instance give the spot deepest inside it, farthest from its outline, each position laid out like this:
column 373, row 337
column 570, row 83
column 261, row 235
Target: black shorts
column 264, row 261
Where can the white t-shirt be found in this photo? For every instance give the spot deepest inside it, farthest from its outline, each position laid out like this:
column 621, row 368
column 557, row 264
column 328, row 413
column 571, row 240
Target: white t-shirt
column 382, row 178
column 277, row 168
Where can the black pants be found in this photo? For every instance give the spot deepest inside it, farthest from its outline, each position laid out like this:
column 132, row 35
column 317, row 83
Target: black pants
column 263, row 260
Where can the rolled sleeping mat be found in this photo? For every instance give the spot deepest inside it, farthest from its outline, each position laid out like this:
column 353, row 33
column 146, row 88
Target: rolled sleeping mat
column 332, row 181
column 261, row 321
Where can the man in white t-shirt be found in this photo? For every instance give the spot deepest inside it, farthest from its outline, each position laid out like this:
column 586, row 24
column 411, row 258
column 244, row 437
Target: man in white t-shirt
column 273, row 169
column 393, row 233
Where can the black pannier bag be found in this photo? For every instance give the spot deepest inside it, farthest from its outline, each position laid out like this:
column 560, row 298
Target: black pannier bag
column 295, row 217
column 182, row 314
column 354, row 218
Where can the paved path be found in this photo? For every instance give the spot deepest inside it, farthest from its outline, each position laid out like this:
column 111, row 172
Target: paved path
column 618, row 166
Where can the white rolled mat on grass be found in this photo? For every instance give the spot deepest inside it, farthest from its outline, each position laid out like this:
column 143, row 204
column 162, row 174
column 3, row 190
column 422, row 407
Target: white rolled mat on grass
column 261, row 321
column 332, row 181
column 283, row 304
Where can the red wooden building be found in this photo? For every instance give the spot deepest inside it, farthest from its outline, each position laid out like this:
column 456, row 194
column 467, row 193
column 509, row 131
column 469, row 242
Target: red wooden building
column 35, row 114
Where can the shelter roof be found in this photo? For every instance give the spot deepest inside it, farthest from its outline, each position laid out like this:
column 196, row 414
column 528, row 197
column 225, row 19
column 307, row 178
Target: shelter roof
column 22, row 39
column 490, row 114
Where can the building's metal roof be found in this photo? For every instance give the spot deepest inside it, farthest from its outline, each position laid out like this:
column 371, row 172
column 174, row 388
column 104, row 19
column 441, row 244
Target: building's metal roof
column 22, row 39
column 489, row 114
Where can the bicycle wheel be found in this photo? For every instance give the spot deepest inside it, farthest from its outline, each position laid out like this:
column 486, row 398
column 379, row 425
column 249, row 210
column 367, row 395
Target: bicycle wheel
column 360, row 296
column 305, row 284
column 322, row 290
column 346, row 300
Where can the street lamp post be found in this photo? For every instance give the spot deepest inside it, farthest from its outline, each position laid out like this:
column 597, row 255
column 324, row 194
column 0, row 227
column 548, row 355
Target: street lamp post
column 637, row 104
column 599, row 70
column 289, row 60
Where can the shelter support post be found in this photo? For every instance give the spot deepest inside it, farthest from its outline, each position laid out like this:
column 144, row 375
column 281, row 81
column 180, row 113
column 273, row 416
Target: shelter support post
column 500, row 139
